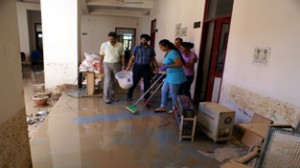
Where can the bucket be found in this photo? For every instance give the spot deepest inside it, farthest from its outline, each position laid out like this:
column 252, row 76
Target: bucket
column 38, row 87
column 125, row 79
column 40, row 100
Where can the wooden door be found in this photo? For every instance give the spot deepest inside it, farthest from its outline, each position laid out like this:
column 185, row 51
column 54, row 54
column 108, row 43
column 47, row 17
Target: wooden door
column 152, row 33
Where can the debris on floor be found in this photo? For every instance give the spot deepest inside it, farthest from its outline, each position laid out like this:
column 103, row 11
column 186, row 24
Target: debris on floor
column 42, row 113
column 39, row 117
column 77, row 93
column 65, row 87
column 205, row 151
column 30, row 119
column 37, row 109
column 38, row 87
column 34, row 121
column 223, row 154
column 55, row 96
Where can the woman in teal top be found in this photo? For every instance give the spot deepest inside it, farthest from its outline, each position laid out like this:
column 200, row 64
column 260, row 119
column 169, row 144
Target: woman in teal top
column 175, row 75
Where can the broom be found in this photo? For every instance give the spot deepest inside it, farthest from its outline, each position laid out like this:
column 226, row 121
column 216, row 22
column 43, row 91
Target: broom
column 132, row 108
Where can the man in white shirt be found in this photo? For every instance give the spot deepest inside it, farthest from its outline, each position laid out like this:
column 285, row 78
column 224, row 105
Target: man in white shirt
column 111, row 61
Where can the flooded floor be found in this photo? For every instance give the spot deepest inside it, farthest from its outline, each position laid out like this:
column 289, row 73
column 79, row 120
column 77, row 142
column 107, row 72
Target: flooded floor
column 34, row 75
column 85, row 132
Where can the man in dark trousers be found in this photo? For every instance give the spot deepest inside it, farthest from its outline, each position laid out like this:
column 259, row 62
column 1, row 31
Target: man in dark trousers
column 142, row 57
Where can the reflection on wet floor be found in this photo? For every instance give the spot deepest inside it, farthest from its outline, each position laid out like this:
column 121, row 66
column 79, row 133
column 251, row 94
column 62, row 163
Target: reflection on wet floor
column 86, row 132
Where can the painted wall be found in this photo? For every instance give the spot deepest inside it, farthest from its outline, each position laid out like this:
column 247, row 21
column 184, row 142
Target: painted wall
column 60, row 40
column 12, row 99
column 271, row 89
column 22, row 9
column 144, row 25
column 168, row 14
column 14, row 141
column 94, row 30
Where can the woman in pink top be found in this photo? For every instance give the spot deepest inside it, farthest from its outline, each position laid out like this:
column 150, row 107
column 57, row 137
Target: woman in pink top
column 190, row 59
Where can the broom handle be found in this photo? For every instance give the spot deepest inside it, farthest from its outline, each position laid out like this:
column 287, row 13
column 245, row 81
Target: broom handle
column 155, row 90
column 148, row 90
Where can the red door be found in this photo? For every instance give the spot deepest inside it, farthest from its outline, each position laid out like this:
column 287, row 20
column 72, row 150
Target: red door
column 152, row 33
column 217, row 59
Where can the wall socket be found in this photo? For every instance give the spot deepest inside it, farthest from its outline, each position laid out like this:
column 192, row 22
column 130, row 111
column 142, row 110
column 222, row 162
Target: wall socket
column 261, row 55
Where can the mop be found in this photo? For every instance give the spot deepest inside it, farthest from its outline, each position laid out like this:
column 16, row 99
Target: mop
column 132, row 108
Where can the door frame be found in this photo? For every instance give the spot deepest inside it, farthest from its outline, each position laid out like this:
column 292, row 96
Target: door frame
column 133, row 35
column 213, row 62
column 153, row 31
column 37, row 33
column 200, row 93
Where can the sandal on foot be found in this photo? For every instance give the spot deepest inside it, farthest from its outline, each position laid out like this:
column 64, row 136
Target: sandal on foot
column 170, row 111
column 160, row 109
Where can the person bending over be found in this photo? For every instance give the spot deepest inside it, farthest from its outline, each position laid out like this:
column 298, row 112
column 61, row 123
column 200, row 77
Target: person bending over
column 173, row 63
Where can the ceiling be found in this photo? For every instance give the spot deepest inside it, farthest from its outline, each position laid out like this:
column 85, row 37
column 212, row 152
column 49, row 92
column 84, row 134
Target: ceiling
column 127, row 8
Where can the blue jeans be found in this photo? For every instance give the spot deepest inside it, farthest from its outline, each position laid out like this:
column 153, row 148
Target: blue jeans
column 166, row 88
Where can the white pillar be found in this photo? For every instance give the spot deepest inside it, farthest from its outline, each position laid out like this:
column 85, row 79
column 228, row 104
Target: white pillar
column 60, row 41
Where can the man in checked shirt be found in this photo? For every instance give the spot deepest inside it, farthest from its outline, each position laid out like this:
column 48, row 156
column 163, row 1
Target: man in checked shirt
column 142, row 57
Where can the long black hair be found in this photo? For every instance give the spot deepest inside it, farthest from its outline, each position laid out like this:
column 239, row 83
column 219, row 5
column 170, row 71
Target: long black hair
column 171, row 46
column 188, row 45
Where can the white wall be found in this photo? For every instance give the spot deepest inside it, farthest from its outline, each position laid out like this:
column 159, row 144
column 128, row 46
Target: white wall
column 22, row 9
column 95, row 29
column 60, row 40
column 144, row 27
column 168, row 14
column 12, row 98
column 268, row 23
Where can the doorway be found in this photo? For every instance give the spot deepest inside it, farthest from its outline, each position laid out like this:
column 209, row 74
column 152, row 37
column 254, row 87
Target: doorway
column 127, row 37
column 38, row 36
column 35, row 37
column 213, row 48
column 153, row 30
